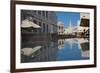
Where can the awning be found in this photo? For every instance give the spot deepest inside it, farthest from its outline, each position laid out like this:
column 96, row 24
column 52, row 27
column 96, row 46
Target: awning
column 26, row 24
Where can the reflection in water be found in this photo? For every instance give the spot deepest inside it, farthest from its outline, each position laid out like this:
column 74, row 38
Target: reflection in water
column 74, row 49
column 36, row 50
column 61, row 43
column 71, row 42
column 29, row 51
column 84, row 46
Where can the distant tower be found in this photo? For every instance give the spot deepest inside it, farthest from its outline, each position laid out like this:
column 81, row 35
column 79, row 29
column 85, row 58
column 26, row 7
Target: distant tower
column 70, row 24
column 78, row 23
column 69, row 28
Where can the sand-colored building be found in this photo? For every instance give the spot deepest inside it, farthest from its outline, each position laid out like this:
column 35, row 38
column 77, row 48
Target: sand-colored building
column 83, row 28
column 60, row 28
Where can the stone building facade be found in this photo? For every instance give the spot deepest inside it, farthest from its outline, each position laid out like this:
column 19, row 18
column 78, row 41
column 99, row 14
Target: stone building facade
column 36, row 44
column 83, row 29
column 60, row 28
column 47, row 20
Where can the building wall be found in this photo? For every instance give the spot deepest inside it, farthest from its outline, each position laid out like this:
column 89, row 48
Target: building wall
column 83, row 29
column 85, row 15
column 60, row 28
column 46, row 19
column 84, row 19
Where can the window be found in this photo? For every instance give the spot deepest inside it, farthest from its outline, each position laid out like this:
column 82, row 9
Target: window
column 39, row 12
column 43, row 27
column 35, row 21
column 59, row 27
column 40, row 26
column 35, row 11
column 43, row 13
column 84, row 22
column 47, row 14
column 39, row 23
column 62, row 28
column 47, row 27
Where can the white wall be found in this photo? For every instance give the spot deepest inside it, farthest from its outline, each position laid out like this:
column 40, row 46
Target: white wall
column 5, row 36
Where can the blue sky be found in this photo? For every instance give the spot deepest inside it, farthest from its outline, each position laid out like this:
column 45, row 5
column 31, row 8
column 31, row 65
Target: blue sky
column 65, row 17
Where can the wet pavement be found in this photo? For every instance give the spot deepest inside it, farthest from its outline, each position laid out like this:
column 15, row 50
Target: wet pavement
column 41, row 49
